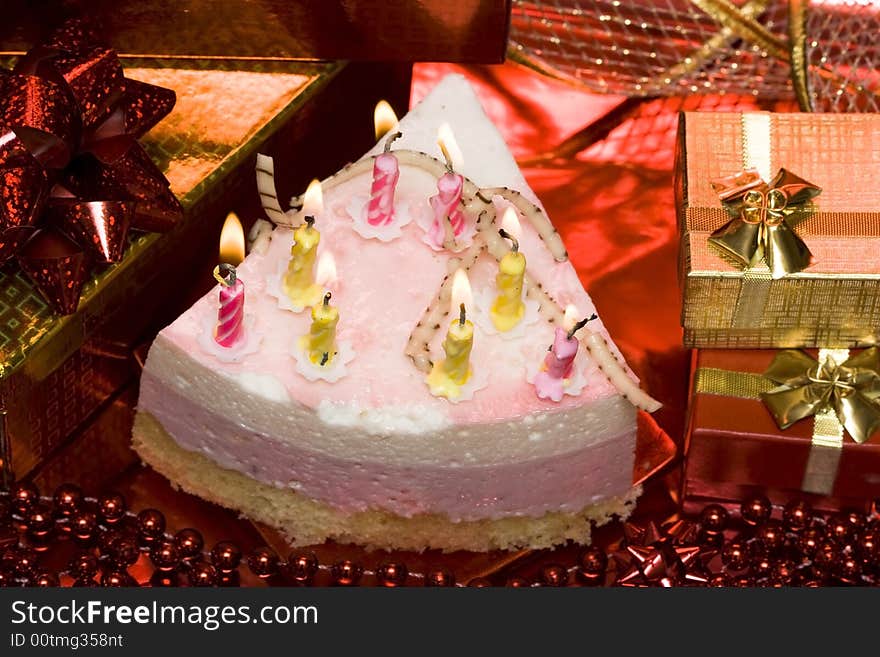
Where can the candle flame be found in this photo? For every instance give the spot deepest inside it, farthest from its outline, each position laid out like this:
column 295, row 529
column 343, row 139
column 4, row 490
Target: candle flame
column 384, row 119
column 325, row 274
column 232, row 241
column 510, row 223
column 447, row 143
column 461, row 292
column 313, row 199
column 571, row 317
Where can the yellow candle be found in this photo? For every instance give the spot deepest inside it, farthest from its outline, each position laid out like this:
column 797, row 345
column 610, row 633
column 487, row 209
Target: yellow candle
column 508, row 308
column 321, row 340
column 299, row 281
column 454, row 371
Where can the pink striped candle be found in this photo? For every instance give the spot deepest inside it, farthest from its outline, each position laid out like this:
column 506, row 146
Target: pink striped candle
column 559, row 362
column 386, row 172
column 230, row 317
column 445, row 204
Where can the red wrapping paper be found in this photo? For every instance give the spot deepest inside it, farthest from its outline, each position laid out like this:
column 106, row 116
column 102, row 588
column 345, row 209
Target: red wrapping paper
column 734, row 446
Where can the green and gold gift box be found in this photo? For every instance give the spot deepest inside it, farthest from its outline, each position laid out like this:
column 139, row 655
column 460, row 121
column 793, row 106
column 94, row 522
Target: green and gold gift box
column 779, row 222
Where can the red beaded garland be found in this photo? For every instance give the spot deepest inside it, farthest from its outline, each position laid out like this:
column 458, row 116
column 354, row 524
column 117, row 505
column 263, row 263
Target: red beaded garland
column 118, row 578
column 263, row 562
column 756, row 510
column 202, row 573
column 346, row 573
column 517, row 583
column 479, row 583
column 554, row 575
column 39, row 520
column 226, row 556
column 83, row 564
column 124, row 552
column 189, row 543
column 45, row 581
column 713, row 519
column 439, row 577
column 165, row 556
column 796, row 514
column 391, row 575
column 24, row 495
column 66, row 499
column 112, row 507
column 302, row 567
column 735, row 556
column 150, row 525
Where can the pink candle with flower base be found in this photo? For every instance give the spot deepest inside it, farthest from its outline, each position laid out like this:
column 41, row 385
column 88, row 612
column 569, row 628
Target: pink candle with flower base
column 230, row 317
column 559, row 362
column 448, row 221
column 386, row 172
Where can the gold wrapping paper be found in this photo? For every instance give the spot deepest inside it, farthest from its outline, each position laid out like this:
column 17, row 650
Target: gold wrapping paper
column 835, row 302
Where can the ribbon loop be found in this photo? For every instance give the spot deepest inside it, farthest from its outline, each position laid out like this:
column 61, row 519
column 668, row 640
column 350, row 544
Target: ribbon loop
column 759, row 228
column 808, row 387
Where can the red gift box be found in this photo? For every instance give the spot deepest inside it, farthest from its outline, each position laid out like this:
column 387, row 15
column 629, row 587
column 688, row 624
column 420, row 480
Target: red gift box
column 735, row 446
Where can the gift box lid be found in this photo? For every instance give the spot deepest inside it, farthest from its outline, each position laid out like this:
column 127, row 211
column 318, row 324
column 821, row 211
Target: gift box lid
column 806, row 273
column 281, row 30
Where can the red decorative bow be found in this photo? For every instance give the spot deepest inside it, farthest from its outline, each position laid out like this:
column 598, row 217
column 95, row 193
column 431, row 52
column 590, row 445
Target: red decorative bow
column 73, row 177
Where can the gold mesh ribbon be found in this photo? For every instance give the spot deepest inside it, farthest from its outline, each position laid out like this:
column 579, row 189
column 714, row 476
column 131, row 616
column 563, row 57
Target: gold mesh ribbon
column 840, row 393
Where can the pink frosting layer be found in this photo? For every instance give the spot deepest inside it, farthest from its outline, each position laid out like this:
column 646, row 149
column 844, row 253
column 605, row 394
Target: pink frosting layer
column 561, row 482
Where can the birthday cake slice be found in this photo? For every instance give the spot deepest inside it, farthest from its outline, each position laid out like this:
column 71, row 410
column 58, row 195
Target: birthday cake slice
column 411, row 363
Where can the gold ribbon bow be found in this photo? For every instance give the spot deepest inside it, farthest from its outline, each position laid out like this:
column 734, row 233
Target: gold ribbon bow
column 759, row 228
column 809, row 387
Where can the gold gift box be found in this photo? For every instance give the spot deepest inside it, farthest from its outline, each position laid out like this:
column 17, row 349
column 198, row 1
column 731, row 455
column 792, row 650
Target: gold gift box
column 62, row 377
column 835, row 302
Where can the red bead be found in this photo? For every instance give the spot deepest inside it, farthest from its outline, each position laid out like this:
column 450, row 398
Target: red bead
column 796, row 515
column 124, row 552
column 21, row 562
column 439, row 577
column 165, row 556
column 735, row 556
column 263, row 562
column 302, row 567
column 226, row 556
column 825, row 559
column 106, row 538
column 44, row 581
column 743, row 581
column 163, row 579
column 554, row 575
column 761, row 568
column 391, row 575
column 150, row 525
column 189, row 543
column 771, row 535
column 848, row 570
column 118, row 578
column 517, row 583
column 39, row 520
column 7, row 579
column 810, row 539
column 84, row 564
column 83, row 524
column 756, row 510
column 867, row 549
column 67, row 499
column 83, row 582
column 713, row 519
column 718, row 580
column 713, row 541
column 592, row 562
column 229, row 580
column 202, row 574
column 23, row 496
column 785, row 573
column 112, row 507
column 479, row 583
column 346, row 573
column 838, row 528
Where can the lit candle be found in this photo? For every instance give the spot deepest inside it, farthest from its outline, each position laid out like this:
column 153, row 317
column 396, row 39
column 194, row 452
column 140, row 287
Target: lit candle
column 299, row 280
column 450, row 374
column 508, row 308
column 448, row 222
column 230, row 317
column 556, row 370
column 386, row 170
column 321, row 340
column 229, row 330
